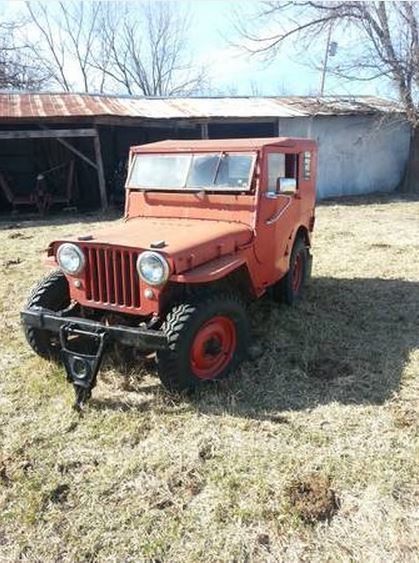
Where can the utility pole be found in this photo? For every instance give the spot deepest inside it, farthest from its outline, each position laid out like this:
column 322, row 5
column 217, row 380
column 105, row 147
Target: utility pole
column 331, row 47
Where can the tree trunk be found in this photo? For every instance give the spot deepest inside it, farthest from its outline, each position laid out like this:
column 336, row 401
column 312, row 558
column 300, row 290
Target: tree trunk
column 411, row 179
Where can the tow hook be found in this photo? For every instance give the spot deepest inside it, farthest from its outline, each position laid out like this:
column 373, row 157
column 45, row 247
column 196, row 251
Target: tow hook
column 82, row 368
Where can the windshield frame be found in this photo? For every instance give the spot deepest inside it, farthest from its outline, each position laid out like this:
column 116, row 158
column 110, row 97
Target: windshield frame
column 213, row 189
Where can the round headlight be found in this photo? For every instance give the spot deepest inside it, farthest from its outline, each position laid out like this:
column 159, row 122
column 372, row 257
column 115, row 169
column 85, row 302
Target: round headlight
column 152, row 268
column 70, row 258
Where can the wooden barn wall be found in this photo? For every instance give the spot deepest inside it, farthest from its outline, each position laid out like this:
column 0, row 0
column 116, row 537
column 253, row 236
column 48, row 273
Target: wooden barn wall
column 17, row 166
column 21, row 160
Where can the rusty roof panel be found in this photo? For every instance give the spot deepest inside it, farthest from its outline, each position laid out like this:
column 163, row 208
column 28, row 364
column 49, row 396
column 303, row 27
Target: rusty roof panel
column 15, row 106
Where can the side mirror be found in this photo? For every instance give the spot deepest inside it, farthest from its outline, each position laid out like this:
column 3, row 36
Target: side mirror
column 287, row 186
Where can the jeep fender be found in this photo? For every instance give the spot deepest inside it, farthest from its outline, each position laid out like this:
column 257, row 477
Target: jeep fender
column 211, row 271
column 301, row 232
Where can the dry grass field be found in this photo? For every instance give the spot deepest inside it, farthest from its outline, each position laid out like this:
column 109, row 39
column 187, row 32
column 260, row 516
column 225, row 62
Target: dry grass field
column 310, row 453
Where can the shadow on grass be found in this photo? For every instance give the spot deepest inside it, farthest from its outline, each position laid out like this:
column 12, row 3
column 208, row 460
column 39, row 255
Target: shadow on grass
column 348, row 341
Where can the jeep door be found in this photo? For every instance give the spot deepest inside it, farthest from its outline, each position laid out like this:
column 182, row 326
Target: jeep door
column 279, row 210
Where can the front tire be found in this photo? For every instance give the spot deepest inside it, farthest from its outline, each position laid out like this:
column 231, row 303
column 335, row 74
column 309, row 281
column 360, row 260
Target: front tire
column 207, row 340
column 51, row 293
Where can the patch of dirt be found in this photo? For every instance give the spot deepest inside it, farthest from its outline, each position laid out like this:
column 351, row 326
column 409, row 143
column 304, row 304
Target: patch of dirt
column 405, row 418
column 348, row 234
column 4, row 477
column 165, row 503
column 188, row 485
column 14, row 262
column 328, row 369
column 264, row 539
column 69, row 467
column 19, row 235
column 313, row 499
column 59, row 494
column 26, row 465
column 279, row 419
column 207, row 450
column 380, row 245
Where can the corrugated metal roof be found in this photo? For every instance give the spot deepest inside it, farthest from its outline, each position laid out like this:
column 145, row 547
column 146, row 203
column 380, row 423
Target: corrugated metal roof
column 15, row 106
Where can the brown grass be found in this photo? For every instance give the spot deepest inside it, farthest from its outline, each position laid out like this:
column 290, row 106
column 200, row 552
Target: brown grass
column 309, row 454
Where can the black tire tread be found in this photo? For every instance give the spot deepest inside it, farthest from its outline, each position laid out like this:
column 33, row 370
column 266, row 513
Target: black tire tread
column 175, row 326
column 51, row 292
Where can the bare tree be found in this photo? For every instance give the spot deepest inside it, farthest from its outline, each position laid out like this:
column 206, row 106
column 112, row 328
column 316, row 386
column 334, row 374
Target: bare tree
column 79, row 21
column 17, row 71
column 145, row 50
column 66, row 38
column 124, row 47
column 52, row 55
column 387, row 38
column 386, row 45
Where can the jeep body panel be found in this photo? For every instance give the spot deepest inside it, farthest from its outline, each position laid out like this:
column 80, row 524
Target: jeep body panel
column 280, row 218
column 204, row 235
column 212, row 271
column 186, row 243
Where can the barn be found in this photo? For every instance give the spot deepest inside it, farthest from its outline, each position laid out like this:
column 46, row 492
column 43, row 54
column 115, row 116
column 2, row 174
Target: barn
column 71, row 149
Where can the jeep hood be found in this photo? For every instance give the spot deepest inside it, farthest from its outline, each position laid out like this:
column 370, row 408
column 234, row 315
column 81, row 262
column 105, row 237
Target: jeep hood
column 188, row 242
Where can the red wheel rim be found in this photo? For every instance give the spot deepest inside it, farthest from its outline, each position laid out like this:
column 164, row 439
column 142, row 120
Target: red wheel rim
column 213, row 347
column 297, row 272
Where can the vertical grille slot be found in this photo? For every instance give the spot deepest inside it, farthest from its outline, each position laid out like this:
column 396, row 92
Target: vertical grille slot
column 134, row 280
column 111, row 277
column 117, row 276
column 101, row 275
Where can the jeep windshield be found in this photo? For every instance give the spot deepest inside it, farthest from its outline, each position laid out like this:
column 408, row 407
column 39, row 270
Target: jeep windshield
column 210, row 172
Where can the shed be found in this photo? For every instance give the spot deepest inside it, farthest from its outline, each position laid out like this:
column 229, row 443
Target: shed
column 71, row 149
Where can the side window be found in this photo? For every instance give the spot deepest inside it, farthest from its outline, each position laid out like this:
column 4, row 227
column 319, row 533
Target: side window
column 281, row 166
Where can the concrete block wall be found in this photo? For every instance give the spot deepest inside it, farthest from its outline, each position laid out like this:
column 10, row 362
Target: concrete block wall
column 357, row 154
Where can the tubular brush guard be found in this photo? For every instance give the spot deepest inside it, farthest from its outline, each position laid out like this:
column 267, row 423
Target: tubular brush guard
column 82, row 368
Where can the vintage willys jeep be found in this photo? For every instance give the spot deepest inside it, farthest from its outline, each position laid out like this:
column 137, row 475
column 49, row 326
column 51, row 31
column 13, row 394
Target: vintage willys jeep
column 209, row 225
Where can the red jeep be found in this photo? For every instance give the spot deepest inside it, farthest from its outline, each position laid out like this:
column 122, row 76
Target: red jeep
column 209, row 225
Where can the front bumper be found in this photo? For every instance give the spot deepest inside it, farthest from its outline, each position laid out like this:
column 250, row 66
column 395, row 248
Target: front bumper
column 137, row 337
column 82, row 367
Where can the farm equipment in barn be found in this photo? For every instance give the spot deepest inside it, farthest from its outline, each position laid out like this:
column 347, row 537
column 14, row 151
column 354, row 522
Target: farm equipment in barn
column 210, row 225
column 47, row 190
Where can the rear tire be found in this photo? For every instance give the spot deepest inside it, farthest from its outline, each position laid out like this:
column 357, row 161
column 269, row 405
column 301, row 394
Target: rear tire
column 207, row 341
column 51, row 293
column 291, row 287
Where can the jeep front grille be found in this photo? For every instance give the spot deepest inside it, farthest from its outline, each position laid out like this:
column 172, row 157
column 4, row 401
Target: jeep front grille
column 111, row 276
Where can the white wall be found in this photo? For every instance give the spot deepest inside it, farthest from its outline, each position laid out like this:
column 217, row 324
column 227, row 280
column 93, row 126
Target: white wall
column 357, row 154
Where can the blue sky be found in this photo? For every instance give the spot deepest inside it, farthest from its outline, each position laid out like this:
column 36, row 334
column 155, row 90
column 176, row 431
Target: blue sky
column 238, row 73
column 232, row 71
